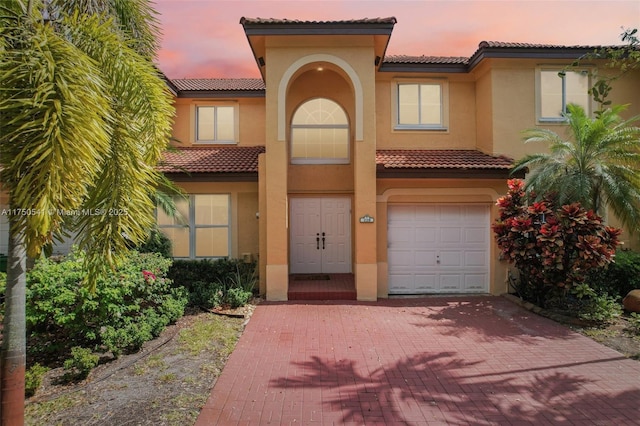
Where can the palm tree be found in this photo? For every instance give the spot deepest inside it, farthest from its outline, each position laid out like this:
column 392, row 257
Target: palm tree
column 85, row 117
column 598, row 166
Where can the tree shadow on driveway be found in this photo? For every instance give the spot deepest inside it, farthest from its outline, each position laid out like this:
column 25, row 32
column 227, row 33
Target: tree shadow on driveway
column 488, row 318
column 442, row 387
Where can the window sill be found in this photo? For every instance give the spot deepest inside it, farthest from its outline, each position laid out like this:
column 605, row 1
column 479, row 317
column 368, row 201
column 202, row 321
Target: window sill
column 215, row 143
column 318, row 161
column 420, row 128
column 547, row 121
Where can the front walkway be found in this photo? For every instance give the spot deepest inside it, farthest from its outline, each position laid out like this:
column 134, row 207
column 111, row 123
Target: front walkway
column 427, row 361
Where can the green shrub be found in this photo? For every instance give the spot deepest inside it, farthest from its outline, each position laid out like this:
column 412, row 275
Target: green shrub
column 634, row 323
column 81, row 363
column 157, row 242
column 209, row 281
column 600, row 309
column 130, row 305
column 33, row 379
column 237, row 297
column 619, row 277
column 206, row 294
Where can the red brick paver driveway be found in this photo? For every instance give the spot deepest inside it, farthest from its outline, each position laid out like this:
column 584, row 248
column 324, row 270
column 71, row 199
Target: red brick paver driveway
column 428, row 361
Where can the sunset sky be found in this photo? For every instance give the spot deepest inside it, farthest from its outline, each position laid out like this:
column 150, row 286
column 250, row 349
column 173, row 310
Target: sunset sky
column 203, row 38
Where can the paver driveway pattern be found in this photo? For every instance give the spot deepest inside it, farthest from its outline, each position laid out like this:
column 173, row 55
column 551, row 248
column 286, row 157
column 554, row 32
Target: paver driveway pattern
column 427, row 361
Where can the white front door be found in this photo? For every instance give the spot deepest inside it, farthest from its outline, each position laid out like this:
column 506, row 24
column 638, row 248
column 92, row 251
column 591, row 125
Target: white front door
column 438, row 248
column 320, row 235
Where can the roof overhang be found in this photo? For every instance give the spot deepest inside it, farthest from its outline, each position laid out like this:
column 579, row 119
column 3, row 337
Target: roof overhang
column 219, row 94
column 449, row 173
column 257, row 30
column 212, row 177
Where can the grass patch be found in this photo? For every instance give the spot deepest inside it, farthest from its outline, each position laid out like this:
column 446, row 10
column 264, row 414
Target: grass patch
column 167, row 378
column 186, row 409
column 38, row 413
column 599, row 333
column 154, row 362
column 210, row 333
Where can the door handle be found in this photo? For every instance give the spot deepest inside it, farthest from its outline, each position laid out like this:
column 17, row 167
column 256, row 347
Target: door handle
column 323, row 241
column 317, row 241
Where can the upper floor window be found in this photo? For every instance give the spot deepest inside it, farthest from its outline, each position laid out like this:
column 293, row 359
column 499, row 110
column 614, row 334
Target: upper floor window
column 202, row 227
column 320, row 133
column 421, row 105
column 215, row 124
column 558, row 88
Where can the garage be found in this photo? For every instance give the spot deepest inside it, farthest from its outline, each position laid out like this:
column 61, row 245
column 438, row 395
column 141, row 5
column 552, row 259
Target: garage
column 436, row 249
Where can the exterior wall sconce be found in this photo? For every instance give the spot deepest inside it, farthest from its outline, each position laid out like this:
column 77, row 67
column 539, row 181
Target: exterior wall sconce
column 366, row 219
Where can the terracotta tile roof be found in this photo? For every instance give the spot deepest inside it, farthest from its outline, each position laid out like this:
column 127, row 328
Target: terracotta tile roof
column 228, row 159
column 440, row 159
column 276, row 21
column 516, row 45
column 407, row 59
column 488, row 49
column 219, row 84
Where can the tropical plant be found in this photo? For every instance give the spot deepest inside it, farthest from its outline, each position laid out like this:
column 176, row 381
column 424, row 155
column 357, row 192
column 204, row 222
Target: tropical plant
column 553, row 249
column 85, row 116
column 622, row 59
column 598, row 166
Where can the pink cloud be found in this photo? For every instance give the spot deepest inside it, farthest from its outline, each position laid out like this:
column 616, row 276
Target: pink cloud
column 204, row 38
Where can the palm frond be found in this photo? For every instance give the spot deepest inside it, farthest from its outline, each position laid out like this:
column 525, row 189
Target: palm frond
column 597, row 166
column 52, row 145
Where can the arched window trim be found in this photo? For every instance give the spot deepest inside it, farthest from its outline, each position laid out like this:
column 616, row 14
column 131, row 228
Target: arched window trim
column 320, row 160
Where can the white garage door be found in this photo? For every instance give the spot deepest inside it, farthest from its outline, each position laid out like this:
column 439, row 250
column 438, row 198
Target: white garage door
column 438, row 249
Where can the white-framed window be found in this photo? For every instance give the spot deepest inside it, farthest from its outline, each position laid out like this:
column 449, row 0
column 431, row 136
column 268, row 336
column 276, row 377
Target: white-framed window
column 215, row 123
column 202, row 227
column 557, row 88
column 320, row 133
column 420, row 105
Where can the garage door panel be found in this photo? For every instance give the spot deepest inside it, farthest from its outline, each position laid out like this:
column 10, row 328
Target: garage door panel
column 451, row 214
column 475, row 258
column 401, row 258
column 427, row 235
column 450, row 235
column 424, row 258
column 426, row 282
column 426, row 213
column 450, row 282
column 401, row 236
column 475, row 282
column 402, row 214
column 402, row 283
column 438, row 248
column 475, row 235
column 450, row 258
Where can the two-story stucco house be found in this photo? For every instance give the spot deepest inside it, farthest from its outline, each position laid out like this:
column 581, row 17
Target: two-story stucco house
column 342, row 161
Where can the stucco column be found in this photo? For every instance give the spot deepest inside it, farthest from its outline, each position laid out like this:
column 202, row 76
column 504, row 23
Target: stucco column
column 365, row 265
column 277, row 268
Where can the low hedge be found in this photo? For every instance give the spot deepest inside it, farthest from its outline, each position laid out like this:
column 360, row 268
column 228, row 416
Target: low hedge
column 212, row 283
column 131, row 305
column 619, row 277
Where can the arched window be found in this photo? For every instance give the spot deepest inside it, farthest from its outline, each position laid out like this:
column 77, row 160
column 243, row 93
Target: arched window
column 319, row 133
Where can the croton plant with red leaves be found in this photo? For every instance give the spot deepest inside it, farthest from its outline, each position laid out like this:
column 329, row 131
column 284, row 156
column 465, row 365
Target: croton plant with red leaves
column 551, row 247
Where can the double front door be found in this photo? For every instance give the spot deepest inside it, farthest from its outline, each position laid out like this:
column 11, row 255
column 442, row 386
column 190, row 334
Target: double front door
column 320, row 231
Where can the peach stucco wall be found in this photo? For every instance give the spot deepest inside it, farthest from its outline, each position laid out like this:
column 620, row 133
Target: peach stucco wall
column 250, row 126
